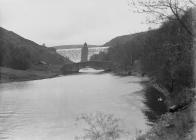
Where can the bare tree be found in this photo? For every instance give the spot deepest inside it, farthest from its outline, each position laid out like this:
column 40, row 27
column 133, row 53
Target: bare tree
column 192, row 2
column 161, row 10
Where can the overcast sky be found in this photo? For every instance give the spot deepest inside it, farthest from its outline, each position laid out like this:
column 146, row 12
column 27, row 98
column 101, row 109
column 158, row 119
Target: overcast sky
column 58, row 22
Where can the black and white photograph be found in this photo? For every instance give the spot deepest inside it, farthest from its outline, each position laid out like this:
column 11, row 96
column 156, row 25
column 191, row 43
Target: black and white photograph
column 97, row 69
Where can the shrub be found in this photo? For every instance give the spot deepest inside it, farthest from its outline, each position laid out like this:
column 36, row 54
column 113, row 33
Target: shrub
column 101, row 127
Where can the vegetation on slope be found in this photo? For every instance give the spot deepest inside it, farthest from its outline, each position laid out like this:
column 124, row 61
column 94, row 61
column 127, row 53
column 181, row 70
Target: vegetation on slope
column 19, row 53
column 166, row 56
column 22, row 59
column 121, row 40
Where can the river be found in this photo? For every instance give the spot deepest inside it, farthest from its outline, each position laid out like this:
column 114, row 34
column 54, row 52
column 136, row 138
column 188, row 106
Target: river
column 47, row 109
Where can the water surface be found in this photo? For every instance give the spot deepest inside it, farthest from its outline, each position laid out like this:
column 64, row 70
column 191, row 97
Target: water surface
column 47, row 109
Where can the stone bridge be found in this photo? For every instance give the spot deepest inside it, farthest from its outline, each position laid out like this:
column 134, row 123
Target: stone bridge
column 75, row 67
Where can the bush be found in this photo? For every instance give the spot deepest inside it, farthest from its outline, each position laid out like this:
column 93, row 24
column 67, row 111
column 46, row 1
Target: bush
column 101, row 127
column 102, row 56
column 20, row 58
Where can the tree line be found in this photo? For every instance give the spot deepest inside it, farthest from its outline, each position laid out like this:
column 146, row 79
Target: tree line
column 164, row 54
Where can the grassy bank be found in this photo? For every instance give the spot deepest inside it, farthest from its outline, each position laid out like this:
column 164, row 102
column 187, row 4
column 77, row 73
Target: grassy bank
column 12, row 75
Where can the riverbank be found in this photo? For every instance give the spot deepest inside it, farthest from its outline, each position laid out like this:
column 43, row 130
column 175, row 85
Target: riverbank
column 36, row 73
column 173, row 126
column 177, row 123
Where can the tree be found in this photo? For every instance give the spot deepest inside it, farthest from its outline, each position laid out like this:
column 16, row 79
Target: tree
column 167, row 58
column 162, row 10
column 192, row 2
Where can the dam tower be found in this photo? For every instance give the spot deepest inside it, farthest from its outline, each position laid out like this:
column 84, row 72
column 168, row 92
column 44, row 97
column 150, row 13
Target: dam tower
column 84, row 53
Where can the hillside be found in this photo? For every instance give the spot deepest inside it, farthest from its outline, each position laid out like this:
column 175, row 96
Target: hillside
column 11, row 43
column 122, row 40
column 73, row 46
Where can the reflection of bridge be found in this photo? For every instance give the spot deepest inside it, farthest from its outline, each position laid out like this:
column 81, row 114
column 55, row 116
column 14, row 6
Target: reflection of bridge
column 75, row 67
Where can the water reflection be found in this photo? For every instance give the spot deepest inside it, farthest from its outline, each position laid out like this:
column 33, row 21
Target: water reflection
column 90, row 70
column 14, row 86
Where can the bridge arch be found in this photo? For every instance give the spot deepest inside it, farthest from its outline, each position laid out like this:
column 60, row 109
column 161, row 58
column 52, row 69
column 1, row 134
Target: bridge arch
column 75, row 67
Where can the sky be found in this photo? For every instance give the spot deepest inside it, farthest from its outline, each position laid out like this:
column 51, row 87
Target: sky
column 63, row 22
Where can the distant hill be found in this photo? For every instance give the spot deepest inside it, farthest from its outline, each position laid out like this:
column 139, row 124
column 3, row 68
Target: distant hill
column 122, row 40
column 10, row 41
column 73, row 46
